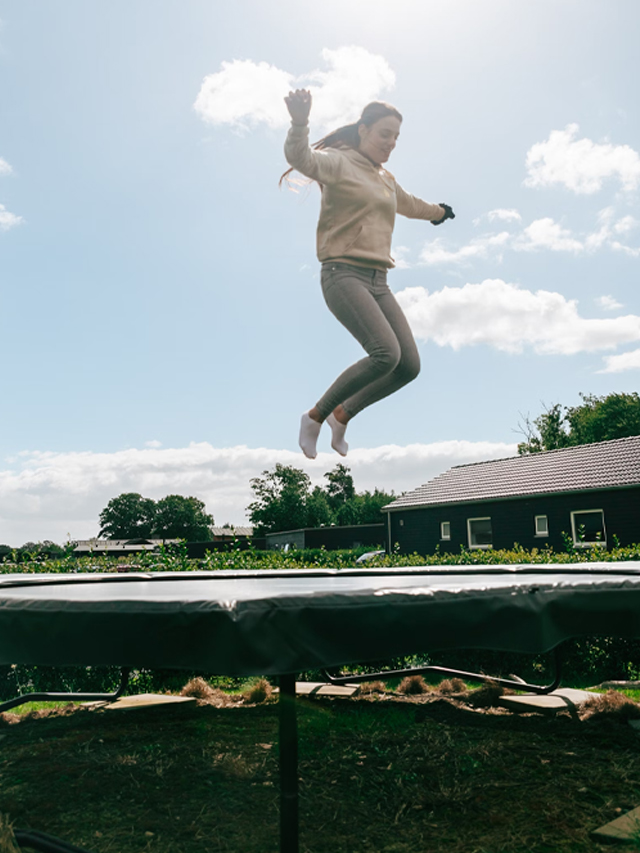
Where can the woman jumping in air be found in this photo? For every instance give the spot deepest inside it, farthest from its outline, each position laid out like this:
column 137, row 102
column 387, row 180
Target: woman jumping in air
column 357, row 214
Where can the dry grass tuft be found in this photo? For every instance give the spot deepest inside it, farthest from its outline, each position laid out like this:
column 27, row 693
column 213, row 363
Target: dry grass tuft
column 612, row 706
column 257, row 691
column 451, row 685
column 8, row 843
column 369, row 687
column 413, row 685
column 207, row 695
column 486, row 696
column 198, row 688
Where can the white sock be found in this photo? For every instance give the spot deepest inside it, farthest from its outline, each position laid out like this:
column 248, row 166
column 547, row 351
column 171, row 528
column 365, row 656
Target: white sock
column 337, row 435
column 309, row 432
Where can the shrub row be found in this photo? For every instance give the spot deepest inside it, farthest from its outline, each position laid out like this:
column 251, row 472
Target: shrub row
column 175, row 558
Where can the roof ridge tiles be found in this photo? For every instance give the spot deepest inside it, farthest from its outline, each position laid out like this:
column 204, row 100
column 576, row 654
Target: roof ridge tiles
column 546, row 453
column 604, row 464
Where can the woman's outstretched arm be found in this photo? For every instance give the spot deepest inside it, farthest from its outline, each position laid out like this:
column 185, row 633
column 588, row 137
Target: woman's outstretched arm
column 415, row 208
column 322, row 166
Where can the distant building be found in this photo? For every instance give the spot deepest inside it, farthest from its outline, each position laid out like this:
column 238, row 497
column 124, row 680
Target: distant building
column 225, row 539
column 333, row 538
column 229, row 534
column 116, row 547
column 589, row 493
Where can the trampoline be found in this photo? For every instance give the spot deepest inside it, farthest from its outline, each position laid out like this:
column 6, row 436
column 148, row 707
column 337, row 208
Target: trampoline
column 245, row 623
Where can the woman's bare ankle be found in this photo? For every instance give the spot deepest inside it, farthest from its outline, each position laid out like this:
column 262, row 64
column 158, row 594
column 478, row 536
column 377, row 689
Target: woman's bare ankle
column 315, row 415
column 340, row 415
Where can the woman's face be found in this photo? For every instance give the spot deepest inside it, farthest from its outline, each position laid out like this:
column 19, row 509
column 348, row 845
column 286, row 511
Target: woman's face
column 379, row 140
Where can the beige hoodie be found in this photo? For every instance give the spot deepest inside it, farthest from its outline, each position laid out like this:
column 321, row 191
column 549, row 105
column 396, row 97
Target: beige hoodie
column 359, row 202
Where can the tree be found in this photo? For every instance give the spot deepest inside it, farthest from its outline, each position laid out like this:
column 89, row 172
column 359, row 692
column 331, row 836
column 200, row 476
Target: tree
column 318, row 512
column 177, row 517
column 596, row 419
column 129, row 516
column 340, row 489
column 604, row 418
column 371, row 504
column 280, row 499
column 284, row 500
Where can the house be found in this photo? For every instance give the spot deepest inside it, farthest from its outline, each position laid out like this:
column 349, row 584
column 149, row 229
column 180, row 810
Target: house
column 225, row 539
column 119, row 547
column 229, row 535
column 332, row 537
column 589, row 495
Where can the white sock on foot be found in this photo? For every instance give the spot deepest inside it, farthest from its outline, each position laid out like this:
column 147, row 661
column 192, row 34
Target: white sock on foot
column 309, row 432
column 337, row 435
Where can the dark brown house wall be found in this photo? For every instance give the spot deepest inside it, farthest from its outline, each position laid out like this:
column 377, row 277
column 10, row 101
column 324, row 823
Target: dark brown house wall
column 332, row 538
column 418, row 530
column 335, row 538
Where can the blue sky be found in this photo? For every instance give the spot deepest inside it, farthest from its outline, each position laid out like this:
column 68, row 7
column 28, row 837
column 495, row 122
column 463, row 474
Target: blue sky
column 162, row 322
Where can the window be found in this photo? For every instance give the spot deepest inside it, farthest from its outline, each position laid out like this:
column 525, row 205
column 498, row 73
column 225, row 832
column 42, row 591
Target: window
column 542, row 525
column 480, row 534
column 445, row 530
column 587, row 526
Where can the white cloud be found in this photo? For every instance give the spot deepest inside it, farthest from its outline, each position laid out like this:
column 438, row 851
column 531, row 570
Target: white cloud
column 609, row 303
column 622, row 362
column 8, row 220
column 355, row 77
column 626, row 224
column 546, row 234
column 510, row 318
column 626, row 250
column 485, row 246
column 399, row 254
column 500, row 214
column 580, row 165
column 50, row 495
column 541, row 235
column 245, row 93
column 608, row 229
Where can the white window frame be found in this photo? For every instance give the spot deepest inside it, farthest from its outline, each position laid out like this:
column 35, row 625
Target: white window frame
column 576, row 541
column 445, row 536
column 478, row 547
column 539, row 532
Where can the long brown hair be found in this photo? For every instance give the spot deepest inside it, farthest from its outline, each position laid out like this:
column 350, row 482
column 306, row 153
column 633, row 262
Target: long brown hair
column 348, row 136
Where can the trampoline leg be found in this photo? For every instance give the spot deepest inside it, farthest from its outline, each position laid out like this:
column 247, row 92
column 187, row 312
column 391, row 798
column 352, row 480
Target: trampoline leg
column 288, row 748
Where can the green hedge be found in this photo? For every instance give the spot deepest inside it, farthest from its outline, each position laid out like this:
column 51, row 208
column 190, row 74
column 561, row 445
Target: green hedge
column 174, row 558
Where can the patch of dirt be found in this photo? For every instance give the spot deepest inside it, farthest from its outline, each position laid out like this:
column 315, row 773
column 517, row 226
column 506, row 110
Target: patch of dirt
column 382, row 774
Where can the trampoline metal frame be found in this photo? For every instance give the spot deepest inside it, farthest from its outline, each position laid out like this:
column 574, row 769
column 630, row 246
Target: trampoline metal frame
column 68, row 697
column 514, row 682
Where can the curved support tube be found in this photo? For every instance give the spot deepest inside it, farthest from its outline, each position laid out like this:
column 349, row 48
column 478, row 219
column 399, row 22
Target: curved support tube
column 68, row 697
column 514, row 682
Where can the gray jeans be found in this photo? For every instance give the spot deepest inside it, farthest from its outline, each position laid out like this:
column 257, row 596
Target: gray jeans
column 361, row 300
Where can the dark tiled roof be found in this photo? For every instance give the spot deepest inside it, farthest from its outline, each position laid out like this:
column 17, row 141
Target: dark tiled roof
column 232, row 531
column 608, row 464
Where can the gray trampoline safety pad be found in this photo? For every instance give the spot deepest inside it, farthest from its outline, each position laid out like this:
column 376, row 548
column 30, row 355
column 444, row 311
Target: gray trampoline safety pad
column 268, row 623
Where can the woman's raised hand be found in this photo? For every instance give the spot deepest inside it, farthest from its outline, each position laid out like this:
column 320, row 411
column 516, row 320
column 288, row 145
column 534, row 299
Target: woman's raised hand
column 299, row 105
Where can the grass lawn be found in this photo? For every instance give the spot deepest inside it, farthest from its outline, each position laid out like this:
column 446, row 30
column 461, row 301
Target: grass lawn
column 385, row 774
